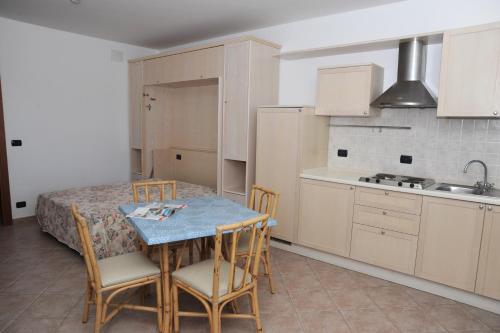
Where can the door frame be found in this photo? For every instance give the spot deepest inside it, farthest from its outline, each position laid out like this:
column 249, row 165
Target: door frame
column 5, row 204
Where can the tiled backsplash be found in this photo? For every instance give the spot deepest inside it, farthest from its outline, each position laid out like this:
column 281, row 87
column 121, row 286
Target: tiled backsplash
column 440, row 147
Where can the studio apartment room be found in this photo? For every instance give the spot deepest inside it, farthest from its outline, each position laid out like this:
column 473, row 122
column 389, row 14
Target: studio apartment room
column 250, row 166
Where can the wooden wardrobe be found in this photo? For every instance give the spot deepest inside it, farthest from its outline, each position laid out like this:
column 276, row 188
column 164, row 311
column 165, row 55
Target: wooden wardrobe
column 193, row 113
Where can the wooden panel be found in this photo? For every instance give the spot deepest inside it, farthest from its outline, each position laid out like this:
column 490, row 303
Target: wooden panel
column 470, row 73
column 234, row 176
column 397, row 201
column 135, row 103
column 188, row 168
column 325, row 218
column 392, row 250
column 154, row 70
column 488, row 275
column 277, row 164
column 313, row 143
column 238, row 198
column 236, row 99
column 386, row 219
column 194, row 115
column 347, row 91
column 162, row 164
column 449, row 242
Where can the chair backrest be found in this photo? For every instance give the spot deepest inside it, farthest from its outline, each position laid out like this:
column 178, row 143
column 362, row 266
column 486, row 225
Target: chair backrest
column 263, row 200
column 158, row 186
column 256, row 228
column 87, row 248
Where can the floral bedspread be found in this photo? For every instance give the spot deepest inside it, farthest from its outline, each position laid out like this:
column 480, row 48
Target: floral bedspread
column 111, row 233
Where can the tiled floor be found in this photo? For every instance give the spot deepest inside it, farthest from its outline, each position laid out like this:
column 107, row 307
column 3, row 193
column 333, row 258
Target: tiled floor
column 42, row 283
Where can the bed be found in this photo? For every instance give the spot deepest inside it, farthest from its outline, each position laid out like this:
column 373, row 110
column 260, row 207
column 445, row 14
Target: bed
column 111, row 233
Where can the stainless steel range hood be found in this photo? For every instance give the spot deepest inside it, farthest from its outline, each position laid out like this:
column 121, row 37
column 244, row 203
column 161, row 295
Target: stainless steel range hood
column 409, row 91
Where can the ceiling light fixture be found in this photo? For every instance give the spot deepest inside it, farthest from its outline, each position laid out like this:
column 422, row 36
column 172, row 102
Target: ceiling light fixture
column 75, row 2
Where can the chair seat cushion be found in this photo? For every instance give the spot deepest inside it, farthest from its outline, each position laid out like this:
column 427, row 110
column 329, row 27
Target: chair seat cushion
column 125, row 268
column 200, row 276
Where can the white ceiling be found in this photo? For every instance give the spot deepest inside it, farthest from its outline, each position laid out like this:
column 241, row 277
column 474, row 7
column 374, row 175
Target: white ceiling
column 163, row 23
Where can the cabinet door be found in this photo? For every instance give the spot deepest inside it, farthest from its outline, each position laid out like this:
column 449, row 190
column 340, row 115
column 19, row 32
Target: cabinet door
column 470, row 73
column 344, row 91
column 488, row 275
column 325, row 218
column 135, row 103
column 154, row 70
column 388, row 249
column 236, row 83
column 276, row 165
column 449, row 242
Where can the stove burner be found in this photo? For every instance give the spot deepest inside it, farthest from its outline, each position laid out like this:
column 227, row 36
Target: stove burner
column 399, row 181
column 384, row 176
column 412, row 179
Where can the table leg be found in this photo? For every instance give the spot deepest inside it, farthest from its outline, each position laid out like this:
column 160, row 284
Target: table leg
column 165, row 280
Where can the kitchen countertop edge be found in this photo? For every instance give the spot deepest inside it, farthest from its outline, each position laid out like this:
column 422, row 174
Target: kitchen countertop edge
column 352, row 178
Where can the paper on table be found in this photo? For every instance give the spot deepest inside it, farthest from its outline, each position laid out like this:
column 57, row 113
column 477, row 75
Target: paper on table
column 156, row 211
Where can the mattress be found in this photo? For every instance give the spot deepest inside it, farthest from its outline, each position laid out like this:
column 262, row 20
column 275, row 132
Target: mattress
column 110, row 232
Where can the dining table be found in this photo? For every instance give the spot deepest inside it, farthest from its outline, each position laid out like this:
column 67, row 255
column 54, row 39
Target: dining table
column 198, row 219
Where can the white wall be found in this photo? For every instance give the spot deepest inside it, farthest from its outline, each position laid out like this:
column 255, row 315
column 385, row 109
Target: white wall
column 67, row 101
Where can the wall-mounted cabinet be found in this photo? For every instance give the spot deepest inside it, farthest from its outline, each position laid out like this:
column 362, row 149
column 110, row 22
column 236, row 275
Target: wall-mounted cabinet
column 470, row 73
column 348, row 90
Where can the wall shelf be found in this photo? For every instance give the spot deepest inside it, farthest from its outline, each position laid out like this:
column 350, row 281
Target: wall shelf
column 364, row 46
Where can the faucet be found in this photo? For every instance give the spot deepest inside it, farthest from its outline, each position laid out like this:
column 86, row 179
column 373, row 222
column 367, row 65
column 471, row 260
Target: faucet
column 484, row 185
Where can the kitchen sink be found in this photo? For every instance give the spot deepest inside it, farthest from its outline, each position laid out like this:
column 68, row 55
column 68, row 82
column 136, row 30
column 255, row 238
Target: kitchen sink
column 464, row 189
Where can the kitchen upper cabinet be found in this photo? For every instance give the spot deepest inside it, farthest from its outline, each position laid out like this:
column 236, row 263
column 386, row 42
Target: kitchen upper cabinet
column 236, row 100
column 325, row 217
column 470, row 73
column 449, row 242
column 188, row 66
column 349, row 90
column 488, row 275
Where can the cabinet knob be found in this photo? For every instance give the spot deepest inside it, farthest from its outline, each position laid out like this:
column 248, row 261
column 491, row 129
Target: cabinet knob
column 351, row 188
column 382, row 232
column 386, row 193
column 481, row 206
column 495, row 113
column 490, row 208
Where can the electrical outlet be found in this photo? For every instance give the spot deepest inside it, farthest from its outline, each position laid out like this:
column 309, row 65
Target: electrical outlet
column 406, row 159
column 16, row 143
column 342, row 152
column 20, row 204
column 178, row 157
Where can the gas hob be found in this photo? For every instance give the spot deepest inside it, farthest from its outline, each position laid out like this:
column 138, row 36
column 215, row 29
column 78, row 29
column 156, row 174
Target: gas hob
column 399, row 181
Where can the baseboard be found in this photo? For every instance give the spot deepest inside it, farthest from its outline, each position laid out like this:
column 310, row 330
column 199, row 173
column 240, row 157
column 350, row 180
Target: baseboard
column 399, row 278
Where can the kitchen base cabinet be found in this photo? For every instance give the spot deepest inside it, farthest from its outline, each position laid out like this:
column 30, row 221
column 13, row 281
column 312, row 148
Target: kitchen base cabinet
column 488, row 275
column 325, row 218
column 384, row 248
column 449, row 242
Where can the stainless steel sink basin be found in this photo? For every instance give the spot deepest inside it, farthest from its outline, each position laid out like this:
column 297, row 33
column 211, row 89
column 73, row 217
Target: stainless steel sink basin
column 464, row 189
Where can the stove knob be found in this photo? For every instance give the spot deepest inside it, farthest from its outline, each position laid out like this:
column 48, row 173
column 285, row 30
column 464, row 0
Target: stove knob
column 412, row 185
column 400, row 183
column 377, row 181
column 367, row 179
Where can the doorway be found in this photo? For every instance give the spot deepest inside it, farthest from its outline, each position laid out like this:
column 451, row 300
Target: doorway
column 5, row 208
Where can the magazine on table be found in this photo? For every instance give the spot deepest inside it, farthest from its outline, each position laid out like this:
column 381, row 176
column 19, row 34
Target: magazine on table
column 156, row 211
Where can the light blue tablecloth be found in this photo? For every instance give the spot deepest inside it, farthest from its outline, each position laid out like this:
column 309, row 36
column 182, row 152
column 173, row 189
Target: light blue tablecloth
column 198, row 219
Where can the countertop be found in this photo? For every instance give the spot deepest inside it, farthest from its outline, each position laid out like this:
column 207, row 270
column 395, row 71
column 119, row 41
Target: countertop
column 352, row 178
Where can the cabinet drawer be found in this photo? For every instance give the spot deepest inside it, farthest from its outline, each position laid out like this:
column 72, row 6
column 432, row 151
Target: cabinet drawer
column 388, row 249
column 387, row 219
column 400, row 202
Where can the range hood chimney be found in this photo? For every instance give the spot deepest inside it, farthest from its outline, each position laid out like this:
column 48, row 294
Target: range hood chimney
column 409, row 91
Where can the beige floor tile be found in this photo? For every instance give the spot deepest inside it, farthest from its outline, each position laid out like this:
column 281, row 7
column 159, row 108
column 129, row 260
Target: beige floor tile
column 75, row 325
column 268, row 303
column 51, row 306
column 302, row 281
column 370, row 281
column 132, row 322
column 368, row 321
column 412, row 320
column 30, row 283
column 323, row 267
column 490, row 319
column 11, row 306
column 33, row 325
column 280, row 323
column 323, row 322
column 351, row 299
column 339, row 281
column 391, row 297
column 294, row 266
column 454, row 317
column 311, row 300
column 69, row 283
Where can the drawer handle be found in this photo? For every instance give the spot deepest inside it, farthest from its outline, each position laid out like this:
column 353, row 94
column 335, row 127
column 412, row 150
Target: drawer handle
column 481, row 206
column 382, row 232
column 490, row 208
column 386, row 193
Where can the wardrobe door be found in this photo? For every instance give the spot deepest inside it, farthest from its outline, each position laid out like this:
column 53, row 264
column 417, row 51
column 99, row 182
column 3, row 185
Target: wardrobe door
column 236, row 83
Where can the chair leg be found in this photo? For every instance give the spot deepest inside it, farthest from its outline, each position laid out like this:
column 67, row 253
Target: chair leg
column 158, row 305
column 256, row 310
column 267, row 266
column 175, row 307
column 98, row 313
column 215, row 319
column 86, row 303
